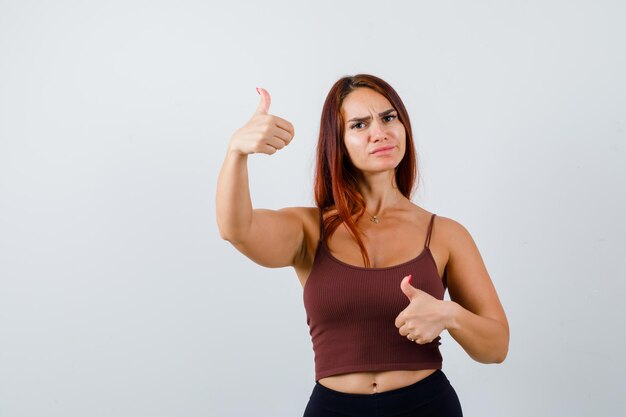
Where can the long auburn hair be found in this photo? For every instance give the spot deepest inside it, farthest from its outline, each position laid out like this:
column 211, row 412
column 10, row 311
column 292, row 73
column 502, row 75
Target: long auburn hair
column 336, row 178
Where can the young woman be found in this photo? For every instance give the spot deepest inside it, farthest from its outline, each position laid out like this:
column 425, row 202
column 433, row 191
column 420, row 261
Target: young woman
column 374, row 266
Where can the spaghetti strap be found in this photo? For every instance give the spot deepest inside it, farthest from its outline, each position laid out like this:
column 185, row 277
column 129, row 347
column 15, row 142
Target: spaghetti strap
column 430, row 229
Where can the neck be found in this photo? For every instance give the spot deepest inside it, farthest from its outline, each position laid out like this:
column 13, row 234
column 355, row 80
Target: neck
column 380, row 193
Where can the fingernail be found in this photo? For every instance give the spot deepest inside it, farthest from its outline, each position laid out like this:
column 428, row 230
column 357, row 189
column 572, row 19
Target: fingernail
column 410, row 277
column 257, row 90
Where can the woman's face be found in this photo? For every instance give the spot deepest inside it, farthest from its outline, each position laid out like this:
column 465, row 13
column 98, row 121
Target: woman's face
column 374, row 137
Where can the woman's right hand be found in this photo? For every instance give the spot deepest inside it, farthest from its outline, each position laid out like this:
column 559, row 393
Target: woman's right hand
column 263, row 133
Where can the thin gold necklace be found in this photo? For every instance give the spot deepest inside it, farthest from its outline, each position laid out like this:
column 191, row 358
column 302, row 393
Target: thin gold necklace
column 374, row 219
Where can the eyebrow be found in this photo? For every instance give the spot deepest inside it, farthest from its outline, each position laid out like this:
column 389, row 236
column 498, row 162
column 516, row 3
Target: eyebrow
column 363, row 119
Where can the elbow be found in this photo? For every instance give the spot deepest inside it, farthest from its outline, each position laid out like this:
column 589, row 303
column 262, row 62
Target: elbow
column 495, row 353
column 502, row 350
column 235, row 234
column 501, row 357
column 230, row 239
column 230, row 234
column 502, row 353
column 494, row 357
column 225, row 236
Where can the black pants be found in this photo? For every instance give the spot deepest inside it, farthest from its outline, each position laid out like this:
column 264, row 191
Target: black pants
column 429, row 397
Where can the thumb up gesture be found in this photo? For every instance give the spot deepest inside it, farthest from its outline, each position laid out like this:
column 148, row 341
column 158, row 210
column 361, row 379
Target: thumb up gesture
column 424, row 318
column 263, row 133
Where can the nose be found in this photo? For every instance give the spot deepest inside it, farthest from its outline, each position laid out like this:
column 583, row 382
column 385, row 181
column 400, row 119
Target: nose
column 378, row 131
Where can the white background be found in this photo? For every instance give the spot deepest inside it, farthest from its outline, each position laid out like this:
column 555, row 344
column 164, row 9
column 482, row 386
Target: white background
column 119, row 298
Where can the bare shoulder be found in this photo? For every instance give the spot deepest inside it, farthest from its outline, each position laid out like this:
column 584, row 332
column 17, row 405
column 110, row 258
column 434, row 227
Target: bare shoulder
column 460, row 243
column 308, row 215
column 450, row 230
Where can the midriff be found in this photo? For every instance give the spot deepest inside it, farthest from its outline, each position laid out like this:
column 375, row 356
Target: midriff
column 374, row 382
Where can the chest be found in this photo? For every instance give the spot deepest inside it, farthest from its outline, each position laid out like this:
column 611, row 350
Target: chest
column 385, row 246
column 338, row 291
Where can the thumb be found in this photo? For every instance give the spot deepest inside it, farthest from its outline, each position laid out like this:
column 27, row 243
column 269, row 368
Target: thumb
column 264, row 104
column 406, row 287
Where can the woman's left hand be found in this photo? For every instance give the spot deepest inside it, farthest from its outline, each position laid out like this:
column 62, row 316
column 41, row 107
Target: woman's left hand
column 424, row 318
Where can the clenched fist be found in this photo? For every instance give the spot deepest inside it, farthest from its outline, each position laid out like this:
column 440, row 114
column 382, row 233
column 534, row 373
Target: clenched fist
column 263, row 133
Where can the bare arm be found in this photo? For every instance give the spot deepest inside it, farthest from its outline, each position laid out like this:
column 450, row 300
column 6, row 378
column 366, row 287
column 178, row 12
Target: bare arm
column 270, row 238
column 475, row 317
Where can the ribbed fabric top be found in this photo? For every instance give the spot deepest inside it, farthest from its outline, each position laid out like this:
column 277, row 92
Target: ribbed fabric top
column 351, row 313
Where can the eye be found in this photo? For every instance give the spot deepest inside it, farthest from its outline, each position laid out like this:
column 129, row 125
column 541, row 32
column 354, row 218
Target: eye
column 393, row 116
column 356, row 124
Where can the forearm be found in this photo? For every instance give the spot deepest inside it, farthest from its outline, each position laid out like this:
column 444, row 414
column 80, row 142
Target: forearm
column 233, row 204
column 486, row 340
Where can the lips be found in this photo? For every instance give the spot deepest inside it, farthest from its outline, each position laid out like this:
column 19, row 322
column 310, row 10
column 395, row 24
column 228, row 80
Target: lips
column 382, row 148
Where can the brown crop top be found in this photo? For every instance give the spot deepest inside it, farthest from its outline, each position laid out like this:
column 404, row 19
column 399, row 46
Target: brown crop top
column 351, row 313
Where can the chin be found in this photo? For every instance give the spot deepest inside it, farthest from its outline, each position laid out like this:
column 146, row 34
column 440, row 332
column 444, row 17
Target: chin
column 380, row 168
